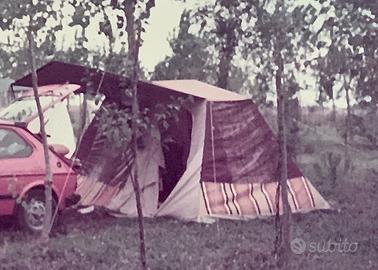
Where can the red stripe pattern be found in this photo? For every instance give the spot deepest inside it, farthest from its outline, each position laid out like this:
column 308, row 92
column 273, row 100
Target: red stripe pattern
column 251, row 200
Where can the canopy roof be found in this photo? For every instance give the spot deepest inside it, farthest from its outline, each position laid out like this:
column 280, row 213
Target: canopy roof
column 61, row 73
column 200, row 89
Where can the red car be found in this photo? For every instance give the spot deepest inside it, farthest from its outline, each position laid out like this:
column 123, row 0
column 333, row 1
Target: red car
column 22, row 174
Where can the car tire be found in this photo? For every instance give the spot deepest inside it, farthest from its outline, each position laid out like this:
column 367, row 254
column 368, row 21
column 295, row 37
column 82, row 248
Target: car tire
column 31, row 211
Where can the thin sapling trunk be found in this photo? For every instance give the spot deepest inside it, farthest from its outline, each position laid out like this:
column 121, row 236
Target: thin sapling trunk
column 48, row 178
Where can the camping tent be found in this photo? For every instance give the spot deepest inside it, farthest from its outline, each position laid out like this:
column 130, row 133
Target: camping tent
column 223, row 161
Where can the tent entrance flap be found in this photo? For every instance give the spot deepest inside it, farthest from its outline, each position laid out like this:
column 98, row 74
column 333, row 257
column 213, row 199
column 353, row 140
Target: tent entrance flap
column 176, row 141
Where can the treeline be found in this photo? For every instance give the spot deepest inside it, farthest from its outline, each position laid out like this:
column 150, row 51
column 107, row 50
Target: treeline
column 327, row 46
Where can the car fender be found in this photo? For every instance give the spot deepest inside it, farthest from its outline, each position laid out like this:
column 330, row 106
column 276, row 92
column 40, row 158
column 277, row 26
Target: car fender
column 39, row 184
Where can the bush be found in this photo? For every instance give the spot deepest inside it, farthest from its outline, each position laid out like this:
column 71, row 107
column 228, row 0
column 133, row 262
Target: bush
column 333, row 165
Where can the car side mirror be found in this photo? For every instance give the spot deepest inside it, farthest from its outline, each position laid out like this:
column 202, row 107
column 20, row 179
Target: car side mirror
column 59, row 148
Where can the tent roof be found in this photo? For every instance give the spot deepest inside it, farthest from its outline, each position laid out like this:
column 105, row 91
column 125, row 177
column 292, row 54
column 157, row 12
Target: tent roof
column 61, row 73
column 200, row 89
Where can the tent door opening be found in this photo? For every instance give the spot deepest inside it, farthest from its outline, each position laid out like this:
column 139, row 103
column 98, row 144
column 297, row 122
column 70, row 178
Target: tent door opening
column 176, row 142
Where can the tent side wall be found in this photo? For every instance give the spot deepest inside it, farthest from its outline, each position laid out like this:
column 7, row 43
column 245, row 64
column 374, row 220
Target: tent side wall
column 248, row 200
column 239, row 176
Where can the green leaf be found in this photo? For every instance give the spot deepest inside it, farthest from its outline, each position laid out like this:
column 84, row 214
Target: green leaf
column 356, row 40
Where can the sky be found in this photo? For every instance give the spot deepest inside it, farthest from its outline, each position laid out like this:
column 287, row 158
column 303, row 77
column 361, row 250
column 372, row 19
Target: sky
column 165, row 17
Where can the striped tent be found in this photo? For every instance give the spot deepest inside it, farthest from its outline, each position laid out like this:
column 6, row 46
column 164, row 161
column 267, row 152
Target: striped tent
column 221, row 159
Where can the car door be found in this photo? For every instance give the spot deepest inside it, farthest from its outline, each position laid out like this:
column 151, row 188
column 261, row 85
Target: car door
column 19, row 166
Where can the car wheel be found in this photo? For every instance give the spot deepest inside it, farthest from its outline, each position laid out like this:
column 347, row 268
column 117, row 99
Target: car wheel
column 31, row 212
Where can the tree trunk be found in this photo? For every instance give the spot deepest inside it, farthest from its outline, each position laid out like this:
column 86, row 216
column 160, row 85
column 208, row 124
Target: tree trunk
column 133, row 34
column 283, row 245
column 374, row 133
column 83, row 118
column 135, row 114
column 224, row 67
column 333, row 118
column 48, row 179
column 347, row 118
column 281, row 111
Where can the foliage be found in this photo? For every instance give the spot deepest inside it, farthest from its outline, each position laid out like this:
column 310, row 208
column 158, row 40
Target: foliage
column 332, row 166
column 222, row 24
column 352, row 47
column 115, row 120
column 191, row 58
column 14, row 18
column 348, row 37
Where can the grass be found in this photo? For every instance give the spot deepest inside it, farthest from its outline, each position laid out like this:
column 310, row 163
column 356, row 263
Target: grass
column 99, row 241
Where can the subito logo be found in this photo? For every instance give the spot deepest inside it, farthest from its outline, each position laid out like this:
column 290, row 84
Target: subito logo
column 298, row 246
